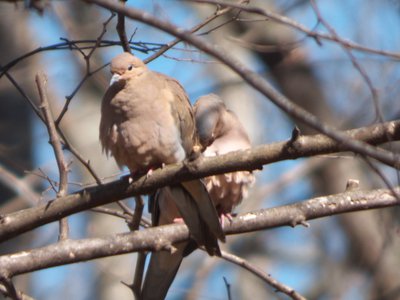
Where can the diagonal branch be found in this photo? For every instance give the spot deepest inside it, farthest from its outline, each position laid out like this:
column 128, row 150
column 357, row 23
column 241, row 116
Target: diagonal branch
column 300, row 27
column 257, row 82
column 354, row 61
column 196, row 28
column 303, row 146
column 280, row 287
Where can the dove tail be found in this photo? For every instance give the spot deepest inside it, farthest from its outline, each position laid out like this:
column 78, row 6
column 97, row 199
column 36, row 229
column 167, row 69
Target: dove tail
column 161, row 272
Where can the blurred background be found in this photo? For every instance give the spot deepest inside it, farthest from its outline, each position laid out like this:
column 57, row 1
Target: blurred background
column 352, row 256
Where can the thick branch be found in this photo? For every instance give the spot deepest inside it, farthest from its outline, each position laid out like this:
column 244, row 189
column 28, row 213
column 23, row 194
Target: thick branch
column 254, row 80
column 303, row 146
column 157, row 238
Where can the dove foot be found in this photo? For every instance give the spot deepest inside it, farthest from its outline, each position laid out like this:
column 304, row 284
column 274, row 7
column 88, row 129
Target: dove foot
column 178, row 221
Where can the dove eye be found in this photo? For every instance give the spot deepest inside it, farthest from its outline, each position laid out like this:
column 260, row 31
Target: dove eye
column 130, row 67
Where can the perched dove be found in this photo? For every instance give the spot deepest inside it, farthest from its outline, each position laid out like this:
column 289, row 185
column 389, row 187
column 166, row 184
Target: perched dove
column 147, row 121
column 220, row 132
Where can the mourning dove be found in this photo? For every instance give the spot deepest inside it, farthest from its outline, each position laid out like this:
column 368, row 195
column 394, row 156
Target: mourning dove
column 147, row 121
column 164, row 265
column 220, row 132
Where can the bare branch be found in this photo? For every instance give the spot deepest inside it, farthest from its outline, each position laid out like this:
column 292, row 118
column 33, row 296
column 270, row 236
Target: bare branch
column 89, row 73
column 157, row 238
column 196, row 28
column 359, row 68
column 304, row 146
column 228, row 288
column 280, row 287
column 8, row 289
column 137, row 217
column 55, row 142
column 72, row 45
column 67, row 144
column 291, row 23
column 19, row 186
column 121, row 31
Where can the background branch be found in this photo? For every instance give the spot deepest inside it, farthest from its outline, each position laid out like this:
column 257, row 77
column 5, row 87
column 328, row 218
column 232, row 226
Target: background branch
column 278, row 286
column 55, row 142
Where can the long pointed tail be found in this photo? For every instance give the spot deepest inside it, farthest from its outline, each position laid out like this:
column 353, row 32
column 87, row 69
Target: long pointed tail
column 161, row 272
column 198, row 211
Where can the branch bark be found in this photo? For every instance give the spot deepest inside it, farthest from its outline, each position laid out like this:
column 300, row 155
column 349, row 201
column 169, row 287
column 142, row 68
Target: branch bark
column 55, row 142
column 161, row 237
column 303, row 146
column 280, row 287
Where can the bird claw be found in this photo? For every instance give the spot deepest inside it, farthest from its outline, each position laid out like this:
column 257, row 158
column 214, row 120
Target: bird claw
column 149, row 173
column 178, row 221
column 192, row 165
column 224, row 216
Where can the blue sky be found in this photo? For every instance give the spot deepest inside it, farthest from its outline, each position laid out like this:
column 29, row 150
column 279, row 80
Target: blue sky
column 342, row 15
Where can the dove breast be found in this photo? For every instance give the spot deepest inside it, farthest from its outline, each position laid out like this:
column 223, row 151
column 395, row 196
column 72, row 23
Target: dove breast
column 138, row 127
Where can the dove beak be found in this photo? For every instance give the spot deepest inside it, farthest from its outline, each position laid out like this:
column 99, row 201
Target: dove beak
column 114, row 79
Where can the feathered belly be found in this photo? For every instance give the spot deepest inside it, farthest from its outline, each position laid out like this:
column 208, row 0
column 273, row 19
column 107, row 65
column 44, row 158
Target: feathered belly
column 228, row 190
column 144, row 144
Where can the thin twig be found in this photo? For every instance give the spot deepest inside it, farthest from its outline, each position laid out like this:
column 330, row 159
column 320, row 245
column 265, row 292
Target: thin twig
column 65, row 142
column 165, row 48
column 353, row 59
column 86, row 162
column 280, row 287
column 19, row 186
column 53, row 183
column 55, row 142
column 144, row 222
column 69, row 45
column 8, row 289
column 382, row 177
column 292, row 23
column 88, row 72
column 228, row 288
column 24, row 95
column 137, row 216
column 121, row 31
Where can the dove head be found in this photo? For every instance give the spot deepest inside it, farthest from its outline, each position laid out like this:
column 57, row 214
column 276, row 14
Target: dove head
column 207, row 111
column 125, row 66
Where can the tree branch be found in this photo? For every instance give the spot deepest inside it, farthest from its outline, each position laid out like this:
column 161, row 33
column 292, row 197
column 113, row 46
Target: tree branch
column 121, row 31
column 300, row 27
column 303, row 146
column 196, row 28
column 280, row 287
column 55, row 142
column 158, row 238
